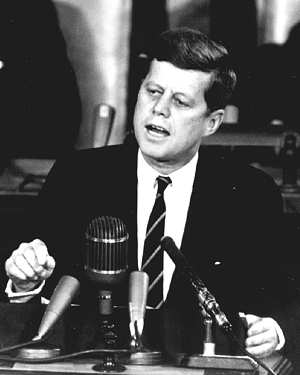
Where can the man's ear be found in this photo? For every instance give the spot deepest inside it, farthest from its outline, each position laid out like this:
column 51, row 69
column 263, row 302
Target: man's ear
column 214, row 120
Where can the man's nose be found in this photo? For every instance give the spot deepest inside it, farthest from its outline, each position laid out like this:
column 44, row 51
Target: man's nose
column 162, row 106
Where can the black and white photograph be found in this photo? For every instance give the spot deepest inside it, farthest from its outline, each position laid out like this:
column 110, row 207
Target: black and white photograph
column 150, row 187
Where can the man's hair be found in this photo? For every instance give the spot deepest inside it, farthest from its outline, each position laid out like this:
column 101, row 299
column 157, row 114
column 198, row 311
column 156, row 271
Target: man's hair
column 187, row 48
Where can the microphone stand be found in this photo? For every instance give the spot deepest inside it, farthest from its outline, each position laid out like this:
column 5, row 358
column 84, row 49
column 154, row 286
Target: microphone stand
column 209, row 360
column 208, row 343
column 140, row 354
column 107, row 324
column 109, row 334
column 246, row 363
column 138, row 289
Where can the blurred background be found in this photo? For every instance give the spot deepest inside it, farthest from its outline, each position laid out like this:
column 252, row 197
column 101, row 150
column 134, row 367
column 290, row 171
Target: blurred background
column 61, row 60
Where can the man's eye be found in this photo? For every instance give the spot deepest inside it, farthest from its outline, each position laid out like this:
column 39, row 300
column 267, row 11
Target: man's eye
column 180, row 103
column 152, row 91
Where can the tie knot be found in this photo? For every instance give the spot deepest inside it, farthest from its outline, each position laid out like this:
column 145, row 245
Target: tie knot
column 163, row 182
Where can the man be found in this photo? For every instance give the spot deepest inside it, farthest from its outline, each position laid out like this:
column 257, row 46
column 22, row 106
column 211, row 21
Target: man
column 223, row 216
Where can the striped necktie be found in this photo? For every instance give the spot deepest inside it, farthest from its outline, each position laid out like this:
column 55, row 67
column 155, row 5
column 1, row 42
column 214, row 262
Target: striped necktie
column 152, row 262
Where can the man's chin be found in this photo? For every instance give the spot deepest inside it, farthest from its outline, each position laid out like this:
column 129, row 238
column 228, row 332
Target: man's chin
column 155, row 153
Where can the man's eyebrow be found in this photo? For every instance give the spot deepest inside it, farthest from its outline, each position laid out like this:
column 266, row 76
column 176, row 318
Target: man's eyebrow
column 186, row 96
column 152, row 82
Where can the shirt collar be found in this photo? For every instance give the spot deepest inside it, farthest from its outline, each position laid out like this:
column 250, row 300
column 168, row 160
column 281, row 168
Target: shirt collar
column 181, row 177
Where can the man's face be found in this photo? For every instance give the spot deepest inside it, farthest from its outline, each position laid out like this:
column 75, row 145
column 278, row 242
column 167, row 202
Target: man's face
column 171, row 115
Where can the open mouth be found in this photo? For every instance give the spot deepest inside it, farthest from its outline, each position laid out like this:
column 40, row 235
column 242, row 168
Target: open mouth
column 154, row 129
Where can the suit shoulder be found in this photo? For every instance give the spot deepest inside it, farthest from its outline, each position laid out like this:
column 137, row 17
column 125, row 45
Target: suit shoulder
column 246, row 174
column 255, row 185
column 97, row 155
column 81, row 168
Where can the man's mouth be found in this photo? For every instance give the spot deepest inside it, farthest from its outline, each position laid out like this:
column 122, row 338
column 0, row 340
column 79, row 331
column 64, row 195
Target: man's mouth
column 155, row 129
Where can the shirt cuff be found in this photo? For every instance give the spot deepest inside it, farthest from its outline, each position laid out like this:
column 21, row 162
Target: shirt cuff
column 21, row 297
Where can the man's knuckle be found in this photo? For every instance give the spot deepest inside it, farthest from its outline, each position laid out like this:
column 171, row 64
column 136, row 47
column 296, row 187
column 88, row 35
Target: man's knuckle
column 37, row 242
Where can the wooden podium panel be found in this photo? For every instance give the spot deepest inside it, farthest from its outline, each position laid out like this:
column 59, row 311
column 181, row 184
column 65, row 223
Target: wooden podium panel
column 84, row 368
column 201, row 365
column 87, row 368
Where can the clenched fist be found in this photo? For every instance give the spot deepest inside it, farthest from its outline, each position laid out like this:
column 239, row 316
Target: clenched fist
column 29, row 265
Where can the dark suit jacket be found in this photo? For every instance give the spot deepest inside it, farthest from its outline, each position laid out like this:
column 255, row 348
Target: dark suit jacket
column 232, row 237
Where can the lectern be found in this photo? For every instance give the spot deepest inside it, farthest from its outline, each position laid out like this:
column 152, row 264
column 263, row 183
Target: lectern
column 221, row 364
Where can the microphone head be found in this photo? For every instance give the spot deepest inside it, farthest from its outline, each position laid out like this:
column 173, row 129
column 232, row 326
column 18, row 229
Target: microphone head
column 137, row 299
column 138, row 290
column 63, row 294
column 106, row 259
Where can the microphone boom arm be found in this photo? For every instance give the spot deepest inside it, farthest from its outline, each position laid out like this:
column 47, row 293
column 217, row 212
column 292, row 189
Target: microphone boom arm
column 210, row 305
column 205, row 298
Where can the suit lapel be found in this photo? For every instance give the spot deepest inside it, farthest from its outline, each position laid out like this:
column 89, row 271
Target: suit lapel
column 201, row 215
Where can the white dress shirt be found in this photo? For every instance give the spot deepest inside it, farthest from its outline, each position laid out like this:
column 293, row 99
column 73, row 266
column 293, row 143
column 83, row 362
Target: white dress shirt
column 177, row 199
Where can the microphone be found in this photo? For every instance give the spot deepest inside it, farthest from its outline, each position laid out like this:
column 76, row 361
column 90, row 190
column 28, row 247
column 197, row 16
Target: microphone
column 210, row 306
column 60, row 300
column 106, row 261
column 206, row 299
column 106, row 265
column 138, row 290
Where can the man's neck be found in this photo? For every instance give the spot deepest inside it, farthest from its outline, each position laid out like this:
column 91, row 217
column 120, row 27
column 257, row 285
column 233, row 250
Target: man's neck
column 165, row 168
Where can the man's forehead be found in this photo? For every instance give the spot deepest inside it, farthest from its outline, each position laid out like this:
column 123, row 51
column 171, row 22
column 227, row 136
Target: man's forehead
column 165, row 73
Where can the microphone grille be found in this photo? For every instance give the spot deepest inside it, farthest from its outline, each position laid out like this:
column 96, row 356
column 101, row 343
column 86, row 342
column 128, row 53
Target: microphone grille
column 106, row 244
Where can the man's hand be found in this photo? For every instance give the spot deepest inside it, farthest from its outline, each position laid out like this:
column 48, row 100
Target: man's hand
column 262, row 337
column 29, row 265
